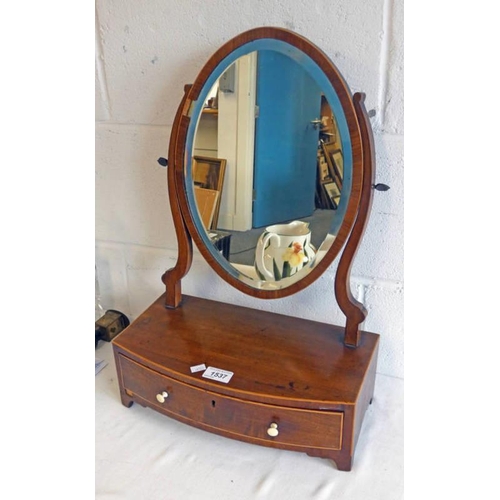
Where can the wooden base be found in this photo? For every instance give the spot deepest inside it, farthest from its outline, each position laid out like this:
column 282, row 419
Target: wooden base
column 294, row 373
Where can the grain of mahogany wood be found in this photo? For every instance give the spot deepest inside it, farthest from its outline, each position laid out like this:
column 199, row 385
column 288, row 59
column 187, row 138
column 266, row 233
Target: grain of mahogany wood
column 275, row 358
column 283, row 368
column 172, row 277
column 355, row 311
column 297, row 427
column 298, row 373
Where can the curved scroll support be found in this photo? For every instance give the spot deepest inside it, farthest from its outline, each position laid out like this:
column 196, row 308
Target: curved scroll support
column 355, row 311
column 172, row 277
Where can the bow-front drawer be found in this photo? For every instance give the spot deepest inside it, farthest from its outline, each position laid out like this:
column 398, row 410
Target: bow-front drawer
column 249, row 421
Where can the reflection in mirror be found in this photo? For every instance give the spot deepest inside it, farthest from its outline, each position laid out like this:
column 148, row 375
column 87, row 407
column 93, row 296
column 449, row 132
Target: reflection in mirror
column 267, row 169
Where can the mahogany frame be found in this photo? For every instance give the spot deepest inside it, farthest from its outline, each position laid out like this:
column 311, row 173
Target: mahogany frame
column 358, row 208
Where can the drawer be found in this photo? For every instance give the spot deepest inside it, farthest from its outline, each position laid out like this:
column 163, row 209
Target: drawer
column 255, row 422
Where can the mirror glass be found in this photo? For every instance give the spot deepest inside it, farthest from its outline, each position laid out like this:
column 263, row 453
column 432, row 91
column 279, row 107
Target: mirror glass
column 268, row 165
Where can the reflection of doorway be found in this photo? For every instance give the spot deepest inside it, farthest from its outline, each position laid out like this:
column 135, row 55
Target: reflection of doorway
column 226, row 131
column 269, row 115
column 235, row 143
column 286, row 140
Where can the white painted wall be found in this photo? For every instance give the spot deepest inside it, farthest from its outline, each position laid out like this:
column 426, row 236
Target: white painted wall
column 145, row 53
column 205, row 139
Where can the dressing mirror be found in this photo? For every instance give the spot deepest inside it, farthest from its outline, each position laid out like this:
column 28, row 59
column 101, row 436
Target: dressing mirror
column 269, row 121
column 270, row 173
column 282, row 120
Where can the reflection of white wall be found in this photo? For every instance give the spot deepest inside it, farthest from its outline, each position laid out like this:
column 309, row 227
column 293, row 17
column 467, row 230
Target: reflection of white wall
column 205, row 138
column 235, row 144
column 226, row 146
column 213, row 92
column 205, row 143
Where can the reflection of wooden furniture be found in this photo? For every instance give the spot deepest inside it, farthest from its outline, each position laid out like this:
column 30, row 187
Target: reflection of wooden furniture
column 210, row 111
column 206, row 201
column 327, row 128
column 293, row 383
column 208, row 173
column 315, row 394
column 335, row 170
column 329, row 131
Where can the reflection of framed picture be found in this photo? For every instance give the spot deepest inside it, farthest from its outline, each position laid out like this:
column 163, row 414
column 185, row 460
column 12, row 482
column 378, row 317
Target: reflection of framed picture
column 335, row 162
column 208, row 173
column 324, row 172
column 206, row 200
column 338, row 161
column 333, row 193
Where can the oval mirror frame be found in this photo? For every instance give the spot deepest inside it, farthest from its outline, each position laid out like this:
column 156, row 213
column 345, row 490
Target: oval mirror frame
column 182, row 158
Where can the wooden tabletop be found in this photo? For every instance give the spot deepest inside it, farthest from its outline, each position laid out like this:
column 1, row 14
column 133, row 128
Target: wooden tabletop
column 275, row 358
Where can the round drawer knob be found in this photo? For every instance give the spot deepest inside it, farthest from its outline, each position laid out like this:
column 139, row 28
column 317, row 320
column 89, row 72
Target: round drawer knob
column 273, row 430
column 161, row 397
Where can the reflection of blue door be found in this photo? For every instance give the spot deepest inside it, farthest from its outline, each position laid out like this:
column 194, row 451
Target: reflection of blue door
column 285, row 140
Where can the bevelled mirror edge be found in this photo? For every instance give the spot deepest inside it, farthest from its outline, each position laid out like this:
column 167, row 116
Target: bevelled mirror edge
column 179, row 140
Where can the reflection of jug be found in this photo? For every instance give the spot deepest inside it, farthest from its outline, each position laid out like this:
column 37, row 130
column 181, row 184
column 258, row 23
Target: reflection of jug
column 282, row 250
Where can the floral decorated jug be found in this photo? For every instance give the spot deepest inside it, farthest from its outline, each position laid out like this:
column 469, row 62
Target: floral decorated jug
column 282, row 250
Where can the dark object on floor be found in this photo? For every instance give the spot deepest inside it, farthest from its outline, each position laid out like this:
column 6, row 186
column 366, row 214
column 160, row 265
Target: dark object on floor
column 107, row 327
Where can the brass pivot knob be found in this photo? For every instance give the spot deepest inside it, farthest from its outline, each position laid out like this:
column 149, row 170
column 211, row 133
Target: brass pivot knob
column 161, row 397
column 273, row 430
